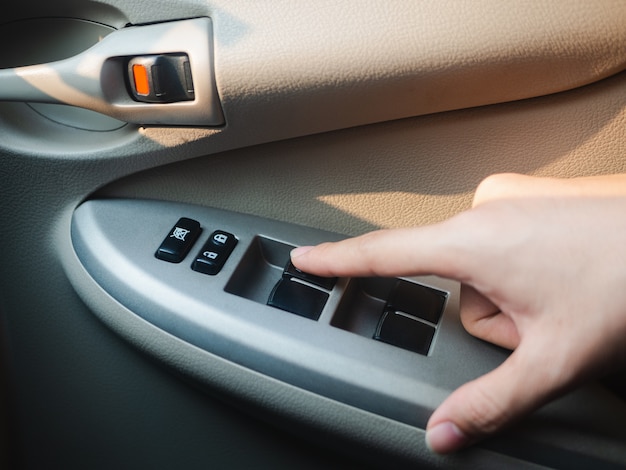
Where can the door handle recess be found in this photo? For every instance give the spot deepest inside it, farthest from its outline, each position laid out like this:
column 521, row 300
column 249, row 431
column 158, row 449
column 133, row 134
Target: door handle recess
column 98, row 78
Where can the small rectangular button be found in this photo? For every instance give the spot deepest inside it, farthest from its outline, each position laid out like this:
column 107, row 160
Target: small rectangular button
column 140, row 79
column 417, row 300
column 295, row 297
column 324, row 282
column 178, row 242
column 211, row 258
column 405, row 332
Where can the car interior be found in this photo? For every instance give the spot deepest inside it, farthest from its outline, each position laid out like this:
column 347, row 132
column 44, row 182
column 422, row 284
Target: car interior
column 160, row 159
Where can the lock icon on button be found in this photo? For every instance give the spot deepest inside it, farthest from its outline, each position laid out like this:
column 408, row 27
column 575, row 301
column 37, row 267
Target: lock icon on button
column 220, row 238
column 212, row 256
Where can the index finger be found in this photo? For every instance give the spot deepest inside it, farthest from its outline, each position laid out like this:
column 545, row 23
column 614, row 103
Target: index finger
column 434, row 249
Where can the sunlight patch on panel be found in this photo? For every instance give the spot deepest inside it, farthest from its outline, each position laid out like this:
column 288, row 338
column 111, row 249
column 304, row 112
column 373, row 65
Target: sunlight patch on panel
column 398, row 209
column 170, row 137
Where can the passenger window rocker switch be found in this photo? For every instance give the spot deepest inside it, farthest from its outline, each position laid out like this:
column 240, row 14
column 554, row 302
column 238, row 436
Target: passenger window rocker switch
column 178, row 242
column 410, row 316
column 405, row 332
column 417, row 300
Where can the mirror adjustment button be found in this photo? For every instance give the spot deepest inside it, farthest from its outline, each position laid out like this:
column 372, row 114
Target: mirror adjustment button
column 295, row 297
column 405, row 332
column 214, row 253
column 324, row 282
column 417, row 300
column 178, row 242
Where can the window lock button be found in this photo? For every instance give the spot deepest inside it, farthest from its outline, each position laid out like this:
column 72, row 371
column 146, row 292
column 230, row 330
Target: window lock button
column 178, row 242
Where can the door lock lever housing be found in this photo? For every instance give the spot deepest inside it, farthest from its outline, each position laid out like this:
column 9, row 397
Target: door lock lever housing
column 98, row 78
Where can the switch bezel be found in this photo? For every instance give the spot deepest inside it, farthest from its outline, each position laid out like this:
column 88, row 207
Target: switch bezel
column 227, row 314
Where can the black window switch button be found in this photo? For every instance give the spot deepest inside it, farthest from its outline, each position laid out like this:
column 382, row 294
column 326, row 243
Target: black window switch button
column 300, row 299
column 178, row 242
column 214, row 253
column 417, row 300
column 324, row 282
column 405, row 332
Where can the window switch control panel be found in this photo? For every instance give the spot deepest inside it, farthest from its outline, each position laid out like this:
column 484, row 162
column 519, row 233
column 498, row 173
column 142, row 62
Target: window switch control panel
column 222, row 282
column 405, row 314
column 397, row 312
column 218, row 285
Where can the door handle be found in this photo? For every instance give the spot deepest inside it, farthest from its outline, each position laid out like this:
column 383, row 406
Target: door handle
column 99, row 78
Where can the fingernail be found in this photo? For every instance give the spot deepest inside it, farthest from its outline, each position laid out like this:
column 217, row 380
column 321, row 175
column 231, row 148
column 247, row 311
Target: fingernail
column 300, row 251
column 445, row 437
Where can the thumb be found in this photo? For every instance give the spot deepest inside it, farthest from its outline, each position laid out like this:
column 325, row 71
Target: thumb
column 490, row 403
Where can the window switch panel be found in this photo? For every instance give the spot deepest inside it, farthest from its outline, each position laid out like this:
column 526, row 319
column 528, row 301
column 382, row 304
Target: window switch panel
column 178, row 242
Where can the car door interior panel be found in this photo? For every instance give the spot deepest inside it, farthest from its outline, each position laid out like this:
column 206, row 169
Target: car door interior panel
column 159, row 160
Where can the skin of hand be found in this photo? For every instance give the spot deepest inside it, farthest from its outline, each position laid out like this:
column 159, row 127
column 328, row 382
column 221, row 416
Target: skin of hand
column 542, row 266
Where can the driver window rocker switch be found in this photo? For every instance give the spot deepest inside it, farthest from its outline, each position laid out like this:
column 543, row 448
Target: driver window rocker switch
column 324, row 282
column 300, row 299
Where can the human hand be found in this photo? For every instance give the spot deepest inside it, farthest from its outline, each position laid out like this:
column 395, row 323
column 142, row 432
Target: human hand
column 542, row 264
